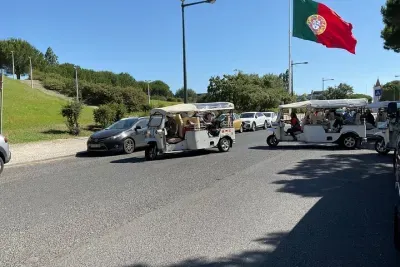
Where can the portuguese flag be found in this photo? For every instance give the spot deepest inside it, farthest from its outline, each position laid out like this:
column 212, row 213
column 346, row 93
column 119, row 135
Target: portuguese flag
column 316, row 22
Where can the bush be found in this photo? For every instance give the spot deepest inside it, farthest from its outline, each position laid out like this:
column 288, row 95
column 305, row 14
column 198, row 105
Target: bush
column 71, row 113
column 133, row 98
column 119, row 109
column 104, row 115
column 54, row 84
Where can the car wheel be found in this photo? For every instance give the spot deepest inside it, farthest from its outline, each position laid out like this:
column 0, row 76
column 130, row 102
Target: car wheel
column 349, row 141
column 129, row 146
column 265, row 125
column 241, row 129
column 253, row 127
column 1, row 165
column 380, row 147
column 151, row 152
column 224, row 144
column 272, row 141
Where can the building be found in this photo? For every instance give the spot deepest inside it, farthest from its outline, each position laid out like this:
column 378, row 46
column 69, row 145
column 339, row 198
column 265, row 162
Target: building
column 377, row 91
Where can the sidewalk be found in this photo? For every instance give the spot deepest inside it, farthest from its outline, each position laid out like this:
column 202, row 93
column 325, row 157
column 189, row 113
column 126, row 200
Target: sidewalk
column 46, row 150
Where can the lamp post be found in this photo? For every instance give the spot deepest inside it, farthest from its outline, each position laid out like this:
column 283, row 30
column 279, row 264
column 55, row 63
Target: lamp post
column 148, row 89
column 323, row 82
column 183, row 5
column 291, row 66
column 13, row 66
column 76, row 83
column 394, row 90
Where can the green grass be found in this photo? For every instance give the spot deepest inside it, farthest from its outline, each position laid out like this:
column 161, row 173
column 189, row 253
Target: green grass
column 31, row 115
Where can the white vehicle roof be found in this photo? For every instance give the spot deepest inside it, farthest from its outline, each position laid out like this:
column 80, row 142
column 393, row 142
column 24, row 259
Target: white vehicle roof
column 334, row 103
column 194, row 107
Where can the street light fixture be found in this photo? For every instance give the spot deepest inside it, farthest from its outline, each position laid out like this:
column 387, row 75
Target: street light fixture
column 323, row 82
column 183, row 5
column 291, row 65
column 76, row 83
column 13, row 66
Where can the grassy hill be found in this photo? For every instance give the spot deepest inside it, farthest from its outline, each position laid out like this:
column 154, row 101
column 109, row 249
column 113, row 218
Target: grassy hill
column 33, row 115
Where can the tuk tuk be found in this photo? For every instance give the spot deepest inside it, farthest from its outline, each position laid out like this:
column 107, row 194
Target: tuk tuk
column 187, row 127
column 319, row 126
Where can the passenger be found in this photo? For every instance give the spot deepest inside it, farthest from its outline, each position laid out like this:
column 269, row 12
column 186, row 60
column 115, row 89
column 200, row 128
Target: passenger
column 370, row 118
column 170, row 125
column 208, row 119
column 295, row 126
column 338, row 121
column 381, row 117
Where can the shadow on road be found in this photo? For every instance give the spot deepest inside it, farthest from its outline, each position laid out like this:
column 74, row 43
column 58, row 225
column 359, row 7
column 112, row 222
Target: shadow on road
column 351, row 224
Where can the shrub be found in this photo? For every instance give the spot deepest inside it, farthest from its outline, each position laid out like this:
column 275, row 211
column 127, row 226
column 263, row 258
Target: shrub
column 119, row 109
column 133, row 98
column 71, row 113
column 104, row 115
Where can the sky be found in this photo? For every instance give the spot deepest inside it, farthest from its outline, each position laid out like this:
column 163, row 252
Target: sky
column 144, row 38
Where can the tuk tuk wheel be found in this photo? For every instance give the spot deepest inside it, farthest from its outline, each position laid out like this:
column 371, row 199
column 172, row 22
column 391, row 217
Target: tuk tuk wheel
column 254, row 127
column 397, row 228
column 224, row 144
column 380, row 147
column 151, row 152
column 272, row 141
column 349, row 141
column 241, row 129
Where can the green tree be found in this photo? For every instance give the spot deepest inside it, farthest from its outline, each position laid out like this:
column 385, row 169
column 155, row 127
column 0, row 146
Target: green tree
column 341, row 91
column 71, row 112
column 355, row 96
column 22, row 51
column 391, row 20
column 192, row 95
column 391, row 91
column 50, row 57
column 285, row 78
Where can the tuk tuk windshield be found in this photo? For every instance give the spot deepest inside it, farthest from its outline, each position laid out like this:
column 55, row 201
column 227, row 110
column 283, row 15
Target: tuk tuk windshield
column 155, row 120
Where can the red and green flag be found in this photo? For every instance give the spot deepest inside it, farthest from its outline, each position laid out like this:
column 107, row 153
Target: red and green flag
column 316, row 22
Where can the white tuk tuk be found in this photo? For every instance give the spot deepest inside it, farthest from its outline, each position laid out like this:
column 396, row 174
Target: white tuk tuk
column 383, row 132
column 186, row 127
column 318, row 128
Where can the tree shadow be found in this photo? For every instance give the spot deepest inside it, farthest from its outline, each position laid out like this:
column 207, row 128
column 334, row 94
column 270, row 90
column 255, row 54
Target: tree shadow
column 350, row 225
column 54, row 131
column 93, row 128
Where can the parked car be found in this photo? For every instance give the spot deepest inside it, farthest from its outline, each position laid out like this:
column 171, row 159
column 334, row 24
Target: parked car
column 123, row 136
column 237, row 122
column 5, row 153
column 253, row 120
column 271, row 117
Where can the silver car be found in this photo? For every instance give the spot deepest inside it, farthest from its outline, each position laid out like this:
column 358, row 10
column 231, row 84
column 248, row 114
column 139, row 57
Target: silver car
column 5, row 153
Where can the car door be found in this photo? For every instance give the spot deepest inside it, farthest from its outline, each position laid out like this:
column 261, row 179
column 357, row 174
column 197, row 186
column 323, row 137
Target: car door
column 236, row 121
column 260, row 119
column 140, row 129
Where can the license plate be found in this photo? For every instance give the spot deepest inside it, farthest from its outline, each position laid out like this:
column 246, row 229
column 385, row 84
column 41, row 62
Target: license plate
column 95, row 145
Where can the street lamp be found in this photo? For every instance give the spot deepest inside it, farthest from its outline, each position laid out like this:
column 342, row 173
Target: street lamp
column 148, row 89
column 394, row 90
column 76, row 83
column 183, row 5
column 291, row 65
column 323, row 82
column 13, row 66
column 30, row 63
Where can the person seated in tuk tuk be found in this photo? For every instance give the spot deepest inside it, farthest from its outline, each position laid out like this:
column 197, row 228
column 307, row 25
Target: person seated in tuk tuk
column 295, row 125
column 381, row 116
column 369, row 118
column 339, row 122
column 170, row 126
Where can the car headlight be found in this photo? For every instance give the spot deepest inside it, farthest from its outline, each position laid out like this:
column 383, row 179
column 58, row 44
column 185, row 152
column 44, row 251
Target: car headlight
column 115, row 137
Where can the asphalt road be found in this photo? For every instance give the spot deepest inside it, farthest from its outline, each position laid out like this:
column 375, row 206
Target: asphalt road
column 254, row 206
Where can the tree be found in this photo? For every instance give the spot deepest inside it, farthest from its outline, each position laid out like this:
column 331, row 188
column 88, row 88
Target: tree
column 249, row 91
column 390, row 91
column 71, row 112
column 341, row 91
column 192, row 95
column 285, row 78
column 22, row 51
column 391, row 19
column 355, row 96
column 159, row 88
column 50, row 57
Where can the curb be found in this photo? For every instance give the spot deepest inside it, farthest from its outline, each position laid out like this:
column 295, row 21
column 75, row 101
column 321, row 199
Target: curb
column 38, row 161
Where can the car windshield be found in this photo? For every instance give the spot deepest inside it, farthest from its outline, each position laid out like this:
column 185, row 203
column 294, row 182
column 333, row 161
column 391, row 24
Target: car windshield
column 123, row 124
column 247, row 115
column 267, row 114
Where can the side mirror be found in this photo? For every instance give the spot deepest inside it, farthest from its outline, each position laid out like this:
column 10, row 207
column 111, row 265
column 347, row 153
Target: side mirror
column 138, row 127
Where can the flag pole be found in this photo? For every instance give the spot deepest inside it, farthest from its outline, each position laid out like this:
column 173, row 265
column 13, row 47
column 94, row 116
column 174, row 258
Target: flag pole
column 290, row 89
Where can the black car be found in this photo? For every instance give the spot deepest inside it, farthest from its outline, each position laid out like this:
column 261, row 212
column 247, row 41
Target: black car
column 123, row 136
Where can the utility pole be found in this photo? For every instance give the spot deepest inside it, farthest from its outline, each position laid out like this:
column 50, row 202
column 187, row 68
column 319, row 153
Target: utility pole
column 76, row 83
column 13, row 66
column 30, row 62
column 148, row 89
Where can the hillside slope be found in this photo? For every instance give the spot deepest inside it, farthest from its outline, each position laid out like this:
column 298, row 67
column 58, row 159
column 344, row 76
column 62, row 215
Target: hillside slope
column 31, row 115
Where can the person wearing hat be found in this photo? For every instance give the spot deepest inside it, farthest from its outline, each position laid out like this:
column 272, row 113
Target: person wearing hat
column 381, row 116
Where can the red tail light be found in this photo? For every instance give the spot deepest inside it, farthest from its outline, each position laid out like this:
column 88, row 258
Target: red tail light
column 5, row 139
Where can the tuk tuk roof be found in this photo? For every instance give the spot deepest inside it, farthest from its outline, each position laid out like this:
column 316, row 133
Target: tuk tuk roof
column 334, row 103
column 380, row 104
column 194, row 107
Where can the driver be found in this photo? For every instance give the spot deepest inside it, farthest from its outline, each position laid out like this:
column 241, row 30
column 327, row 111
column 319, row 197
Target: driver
column 295, row 123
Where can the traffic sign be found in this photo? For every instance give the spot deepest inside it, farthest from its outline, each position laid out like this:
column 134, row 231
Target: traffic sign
column 378, row 92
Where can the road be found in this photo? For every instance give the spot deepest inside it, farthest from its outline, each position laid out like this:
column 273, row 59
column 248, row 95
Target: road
column 254, row 206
